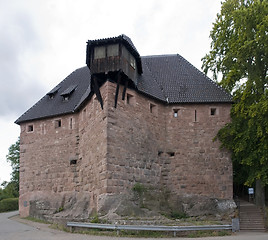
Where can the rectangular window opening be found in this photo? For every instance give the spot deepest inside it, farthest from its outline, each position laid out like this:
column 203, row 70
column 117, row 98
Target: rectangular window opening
column 171, row 154
column 132, row 61
column 160, row 153
column 113, row 50
column 175, row 113
column 99, row 52
column 153, row 108
column 213, row 111
column 58, row 123
column 73, row 162
column 130, row 99
column 195, row 116
column 30, row 128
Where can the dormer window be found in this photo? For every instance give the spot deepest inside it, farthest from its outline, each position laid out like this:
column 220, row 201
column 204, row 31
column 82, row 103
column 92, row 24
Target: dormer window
column 53, row 92
column 67, row 93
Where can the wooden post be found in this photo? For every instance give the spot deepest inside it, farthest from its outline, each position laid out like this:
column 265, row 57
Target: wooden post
column 97, row 90
column 125, row 89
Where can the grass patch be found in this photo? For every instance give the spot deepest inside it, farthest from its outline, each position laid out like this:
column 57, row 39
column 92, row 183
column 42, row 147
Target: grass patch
column 32, row 219
column 59, row 227
column 148, row 234
column 9, row 204
column 200, row 234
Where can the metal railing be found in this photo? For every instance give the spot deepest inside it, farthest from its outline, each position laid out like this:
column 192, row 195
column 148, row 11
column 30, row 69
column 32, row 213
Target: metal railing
column 173, row 229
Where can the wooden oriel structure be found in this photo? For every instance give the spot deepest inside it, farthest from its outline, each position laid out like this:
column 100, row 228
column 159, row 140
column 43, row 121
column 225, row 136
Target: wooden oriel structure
column 115, row 59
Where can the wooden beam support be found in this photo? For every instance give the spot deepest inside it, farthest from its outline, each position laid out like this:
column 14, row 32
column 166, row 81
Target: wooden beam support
column 117, row 88
column 125, row 89
column 97, row 90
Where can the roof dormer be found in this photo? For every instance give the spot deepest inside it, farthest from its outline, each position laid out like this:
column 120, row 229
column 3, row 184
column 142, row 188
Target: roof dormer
column 67, row 92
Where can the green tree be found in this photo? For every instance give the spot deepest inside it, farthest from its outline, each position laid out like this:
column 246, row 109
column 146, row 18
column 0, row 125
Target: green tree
column 239, row 55
column 13, row 157
column 9, row 190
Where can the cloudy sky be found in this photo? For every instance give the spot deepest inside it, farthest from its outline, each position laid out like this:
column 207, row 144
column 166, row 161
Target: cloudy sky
column 41, row 42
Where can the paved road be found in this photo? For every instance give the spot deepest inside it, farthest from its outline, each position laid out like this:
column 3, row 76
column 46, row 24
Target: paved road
column 17, row 229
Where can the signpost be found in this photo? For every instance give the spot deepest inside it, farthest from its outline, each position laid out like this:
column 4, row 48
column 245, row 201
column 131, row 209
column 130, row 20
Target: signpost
column 250, row 194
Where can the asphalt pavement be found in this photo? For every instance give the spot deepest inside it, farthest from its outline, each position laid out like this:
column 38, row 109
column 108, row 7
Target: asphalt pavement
column 12, row 227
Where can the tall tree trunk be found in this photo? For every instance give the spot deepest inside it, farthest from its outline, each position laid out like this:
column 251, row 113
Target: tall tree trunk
column 260, row 194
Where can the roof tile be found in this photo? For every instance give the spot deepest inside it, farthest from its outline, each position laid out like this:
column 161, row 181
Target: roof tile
column 168, row 78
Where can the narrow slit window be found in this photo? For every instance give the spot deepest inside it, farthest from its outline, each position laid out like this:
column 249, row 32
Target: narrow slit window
column 195, row 115
column 84, row 113
column 71, row 123
column 30, row 128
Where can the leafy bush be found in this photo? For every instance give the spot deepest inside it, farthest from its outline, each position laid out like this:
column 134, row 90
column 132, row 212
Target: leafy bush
column 139, row 188
column 9, row 204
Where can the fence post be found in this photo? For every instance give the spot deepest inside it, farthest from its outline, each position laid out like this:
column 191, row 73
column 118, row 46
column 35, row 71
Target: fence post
column 235, row 225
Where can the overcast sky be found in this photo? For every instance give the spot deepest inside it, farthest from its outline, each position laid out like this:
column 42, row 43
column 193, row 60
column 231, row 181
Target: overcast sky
column 43, row 41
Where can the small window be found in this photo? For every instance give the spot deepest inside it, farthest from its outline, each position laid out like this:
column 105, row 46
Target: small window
column 132, row 61
column 153, row 108
column 58, row 123
column 175, row 113
column 160, row 153
column 113, row 50
column 84, row 113
column 171, row 154
column 30, row 128
column 71, row 123
column 130, row 99
column 213, row 111
column 73, row 162
column 195, row 115
column 99, row 52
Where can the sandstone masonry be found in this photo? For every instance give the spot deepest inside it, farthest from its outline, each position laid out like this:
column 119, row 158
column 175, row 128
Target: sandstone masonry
column 97, row 153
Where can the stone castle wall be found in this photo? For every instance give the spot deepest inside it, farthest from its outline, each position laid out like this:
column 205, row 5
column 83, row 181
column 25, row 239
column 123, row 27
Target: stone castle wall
column 97, row 153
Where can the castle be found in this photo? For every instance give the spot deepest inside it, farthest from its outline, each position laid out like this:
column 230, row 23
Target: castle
column 120, row 121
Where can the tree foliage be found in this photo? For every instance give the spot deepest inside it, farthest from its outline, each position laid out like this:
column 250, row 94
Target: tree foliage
column 13, row 157
column 239, row 54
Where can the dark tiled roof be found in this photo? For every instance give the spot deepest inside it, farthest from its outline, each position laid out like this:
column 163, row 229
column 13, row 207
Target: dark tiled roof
column 48, row 107
column 168, row 78
column 178, row 81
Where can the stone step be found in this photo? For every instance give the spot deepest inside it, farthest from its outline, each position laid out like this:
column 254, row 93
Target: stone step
column 251, row 218
column 252, row 224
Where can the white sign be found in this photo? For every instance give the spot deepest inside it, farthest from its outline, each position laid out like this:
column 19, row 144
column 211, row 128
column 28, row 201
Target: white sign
column 251, row 191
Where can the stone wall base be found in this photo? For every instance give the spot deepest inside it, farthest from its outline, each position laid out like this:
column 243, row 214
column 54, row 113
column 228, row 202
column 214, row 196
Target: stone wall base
column 153, row 205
